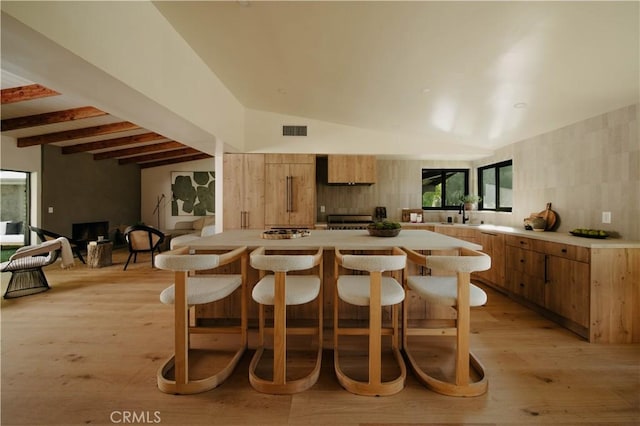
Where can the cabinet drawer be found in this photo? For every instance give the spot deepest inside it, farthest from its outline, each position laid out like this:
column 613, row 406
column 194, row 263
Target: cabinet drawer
column 525, row 261
column 566, row 251
column 527, row 286
column 515, row 241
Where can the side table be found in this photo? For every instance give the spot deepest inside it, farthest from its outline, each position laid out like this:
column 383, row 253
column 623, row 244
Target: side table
column 99, row 254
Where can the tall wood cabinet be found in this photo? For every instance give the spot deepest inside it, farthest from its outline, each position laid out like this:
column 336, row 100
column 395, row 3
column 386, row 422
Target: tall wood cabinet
column 351, row 169
column 244, row 191
column 290, row 190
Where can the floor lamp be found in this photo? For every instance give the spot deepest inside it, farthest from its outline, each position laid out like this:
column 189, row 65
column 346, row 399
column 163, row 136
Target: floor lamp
column 157, row 209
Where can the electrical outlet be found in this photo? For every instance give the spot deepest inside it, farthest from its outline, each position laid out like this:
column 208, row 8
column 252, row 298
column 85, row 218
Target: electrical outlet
column 321, row 209
column 606, row 217
column 50, row 209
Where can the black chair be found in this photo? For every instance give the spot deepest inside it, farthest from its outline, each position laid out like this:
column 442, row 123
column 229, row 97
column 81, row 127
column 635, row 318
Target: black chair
column 142, row 239
column 76, row 246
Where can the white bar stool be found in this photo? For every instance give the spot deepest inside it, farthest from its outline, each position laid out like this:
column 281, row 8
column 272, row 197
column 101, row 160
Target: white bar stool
column 189, row 290
column 281, row 290
column 373, row 290
column 457, row 292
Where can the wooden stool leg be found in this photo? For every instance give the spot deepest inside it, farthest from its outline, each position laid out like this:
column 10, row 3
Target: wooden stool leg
column 336, row 301
column 375, row 329
column 280, row 331
column 244, row 314
column 462, row 338
column 181, row 330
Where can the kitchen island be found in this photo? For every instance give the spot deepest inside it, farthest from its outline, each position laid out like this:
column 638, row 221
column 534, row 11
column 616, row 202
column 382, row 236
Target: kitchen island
column 328, row 240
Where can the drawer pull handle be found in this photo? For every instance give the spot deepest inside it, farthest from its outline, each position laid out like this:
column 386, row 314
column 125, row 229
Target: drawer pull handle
column 521, row 260
column 564, row 250
column 521, row 284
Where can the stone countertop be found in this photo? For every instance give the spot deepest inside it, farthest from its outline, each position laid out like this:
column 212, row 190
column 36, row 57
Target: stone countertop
column 343, row 239
column 556, row 237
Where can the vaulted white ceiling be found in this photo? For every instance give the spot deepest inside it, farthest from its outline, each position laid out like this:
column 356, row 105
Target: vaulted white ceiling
column 475, row 73
column 458, row 77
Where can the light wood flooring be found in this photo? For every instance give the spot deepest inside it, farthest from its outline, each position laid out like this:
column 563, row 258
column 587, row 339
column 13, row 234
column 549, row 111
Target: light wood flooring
column 87, row 351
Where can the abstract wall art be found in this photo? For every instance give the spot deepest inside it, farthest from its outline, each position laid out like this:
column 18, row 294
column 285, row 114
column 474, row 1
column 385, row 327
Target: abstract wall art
column 193, row 193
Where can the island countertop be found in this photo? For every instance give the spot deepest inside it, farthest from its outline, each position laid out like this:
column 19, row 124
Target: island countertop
column 344, row 239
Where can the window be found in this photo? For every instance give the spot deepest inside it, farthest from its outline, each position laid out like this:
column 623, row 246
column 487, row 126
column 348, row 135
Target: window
column 14, row 209
column 442, row 188
column 495, row 184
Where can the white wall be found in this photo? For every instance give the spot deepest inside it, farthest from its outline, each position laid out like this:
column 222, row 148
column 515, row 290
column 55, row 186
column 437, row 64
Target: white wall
column 20, row 159
column 24, row 160
column 263, row 133
column 156, row 181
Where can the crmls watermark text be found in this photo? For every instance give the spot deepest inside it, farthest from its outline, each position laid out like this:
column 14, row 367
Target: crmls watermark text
column 131, row 417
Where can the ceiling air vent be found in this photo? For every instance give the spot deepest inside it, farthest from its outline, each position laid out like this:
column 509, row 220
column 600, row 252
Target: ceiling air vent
column 294, row 130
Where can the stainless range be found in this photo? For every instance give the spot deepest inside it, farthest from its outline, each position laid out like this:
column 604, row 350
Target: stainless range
column 348, row 221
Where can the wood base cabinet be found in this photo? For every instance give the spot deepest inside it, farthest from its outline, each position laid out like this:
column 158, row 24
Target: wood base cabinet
column 523, row 274
column 552, row 276
column 594, row 292
column 567, row 289
column 492, row 244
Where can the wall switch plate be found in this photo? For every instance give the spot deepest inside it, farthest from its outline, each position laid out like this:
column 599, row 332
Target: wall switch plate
column 606, row 217
column 50, row 210
column 321, row 209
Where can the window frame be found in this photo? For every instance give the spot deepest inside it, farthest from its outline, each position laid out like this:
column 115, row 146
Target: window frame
column 496, row 167
column 443, row 173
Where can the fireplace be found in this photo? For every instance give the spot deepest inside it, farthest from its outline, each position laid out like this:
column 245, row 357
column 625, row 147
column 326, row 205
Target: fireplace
column 89, row 231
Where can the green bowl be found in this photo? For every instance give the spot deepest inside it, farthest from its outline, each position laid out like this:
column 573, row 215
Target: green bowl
column 384, row 232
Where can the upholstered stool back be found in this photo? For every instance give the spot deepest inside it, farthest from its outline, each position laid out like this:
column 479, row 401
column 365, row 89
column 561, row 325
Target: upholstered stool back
column 280, row 290
column 376, row 291
column 196, row 289
column 454, row 291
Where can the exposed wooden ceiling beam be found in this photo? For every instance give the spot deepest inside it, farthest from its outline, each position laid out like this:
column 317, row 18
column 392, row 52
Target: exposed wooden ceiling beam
column 76, row 134
column 137, row 150
column 26, row 93
column 175, row 160
column 51, row 118
column 112, row 143
column 159, row 156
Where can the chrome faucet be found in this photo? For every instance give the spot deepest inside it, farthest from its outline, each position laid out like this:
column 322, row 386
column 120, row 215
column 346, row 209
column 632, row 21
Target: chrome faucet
column 462, row 212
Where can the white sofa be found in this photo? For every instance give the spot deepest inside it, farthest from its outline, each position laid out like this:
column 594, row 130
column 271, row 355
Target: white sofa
column 10, row 239
column 186, row 231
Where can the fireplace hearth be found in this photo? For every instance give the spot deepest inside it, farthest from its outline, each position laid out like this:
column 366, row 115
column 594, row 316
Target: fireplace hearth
column 89, row 231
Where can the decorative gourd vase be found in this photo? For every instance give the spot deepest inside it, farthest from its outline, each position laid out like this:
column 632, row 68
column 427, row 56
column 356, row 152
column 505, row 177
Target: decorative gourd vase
column 538, row 224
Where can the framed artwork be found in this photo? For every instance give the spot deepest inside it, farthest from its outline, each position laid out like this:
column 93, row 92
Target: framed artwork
column 193, row 193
